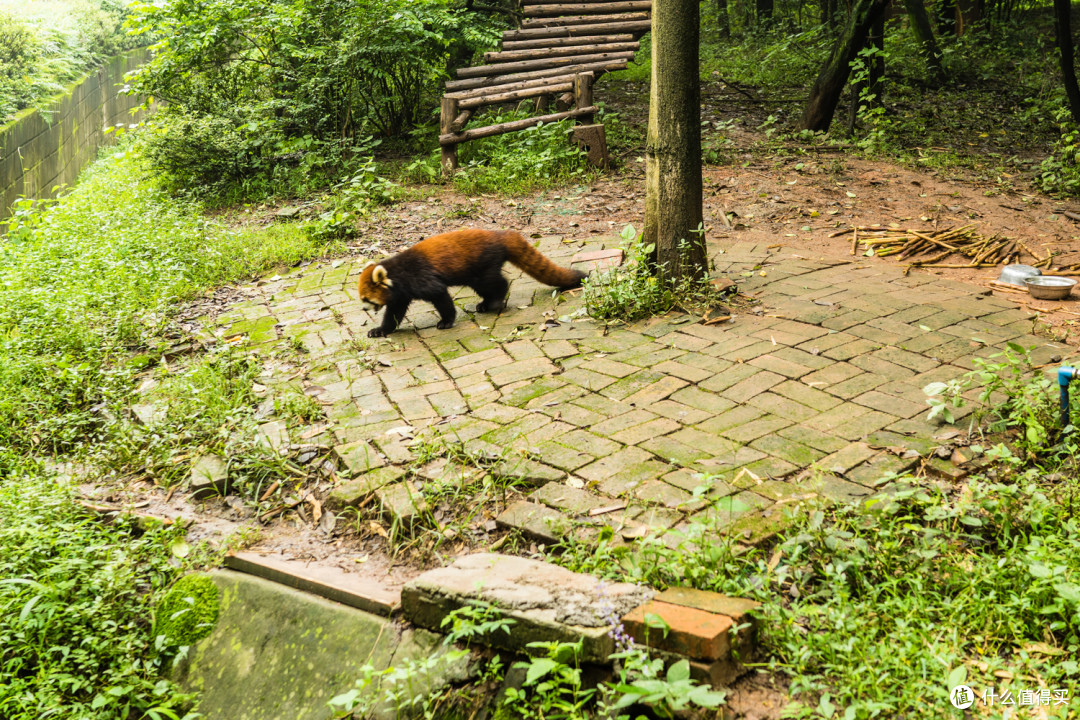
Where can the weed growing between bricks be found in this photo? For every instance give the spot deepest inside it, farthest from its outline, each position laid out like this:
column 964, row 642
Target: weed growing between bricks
column 633, row 292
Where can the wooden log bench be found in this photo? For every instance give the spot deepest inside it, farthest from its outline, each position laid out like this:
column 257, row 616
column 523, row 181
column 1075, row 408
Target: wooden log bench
column 555, row 56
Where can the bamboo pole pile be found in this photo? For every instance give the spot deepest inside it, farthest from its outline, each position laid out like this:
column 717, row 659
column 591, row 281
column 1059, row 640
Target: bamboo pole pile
column 932, row 247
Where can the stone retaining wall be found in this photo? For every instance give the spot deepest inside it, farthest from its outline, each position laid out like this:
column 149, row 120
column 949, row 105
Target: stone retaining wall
column 47, row 146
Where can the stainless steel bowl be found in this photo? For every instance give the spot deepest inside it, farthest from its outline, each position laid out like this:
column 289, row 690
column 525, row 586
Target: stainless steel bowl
column 1015, row 274
column 1049, row 287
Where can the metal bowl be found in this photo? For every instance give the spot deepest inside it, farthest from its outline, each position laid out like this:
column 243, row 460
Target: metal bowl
column 1049, row 287
column 1015, row 274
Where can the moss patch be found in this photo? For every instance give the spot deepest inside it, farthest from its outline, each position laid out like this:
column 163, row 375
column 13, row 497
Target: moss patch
column 188, row 611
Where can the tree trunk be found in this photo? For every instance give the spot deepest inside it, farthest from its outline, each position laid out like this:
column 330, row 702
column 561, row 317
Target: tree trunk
column 673, row 210
column 825, row 94
column 1063, row 30
column 946, row 17
column 874, row 78
column 924, row 34
column 723, row 24
column 764, row 12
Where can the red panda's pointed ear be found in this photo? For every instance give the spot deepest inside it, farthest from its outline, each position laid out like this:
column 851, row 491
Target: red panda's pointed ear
column 378, row 275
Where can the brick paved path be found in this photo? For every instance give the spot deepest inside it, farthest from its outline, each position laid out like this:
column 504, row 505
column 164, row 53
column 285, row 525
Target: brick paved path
column 678, row 418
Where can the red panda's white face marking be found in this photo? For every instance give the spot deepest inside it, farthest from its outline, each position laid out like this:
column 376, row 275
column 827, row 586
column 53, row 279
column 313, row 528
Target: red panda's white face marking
column 374, row 287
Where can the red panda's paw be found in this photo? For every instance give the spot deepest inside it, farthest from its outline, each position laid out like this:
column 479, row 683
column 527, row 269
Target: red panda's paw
column 445, row 324
column 376, row 332
column 490, row 307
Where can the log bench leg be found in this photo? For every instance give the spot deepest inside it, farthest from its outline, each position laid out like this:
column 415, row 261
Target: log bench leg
column 448, row 113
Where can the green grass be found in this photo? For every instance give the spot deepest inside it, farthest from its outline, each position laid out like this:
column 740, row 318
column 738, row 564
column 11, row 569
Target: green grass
column 75, row 609
column 88, row 281
column 515, row 163
column 89, row 289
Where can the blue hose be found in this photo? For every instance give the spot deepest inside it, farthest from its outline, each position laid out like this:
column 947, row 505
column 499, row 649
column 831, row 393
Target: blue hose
column 1065, row 376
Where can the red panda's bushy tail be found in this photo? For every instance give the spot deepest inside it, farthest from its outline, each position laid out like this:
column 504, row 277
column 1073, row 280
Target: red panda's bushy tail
column 521, row 253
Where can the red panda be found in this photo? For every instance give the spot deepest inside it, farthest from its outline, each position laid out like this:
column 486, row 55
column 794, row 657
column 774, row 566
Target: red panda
column 469, row 257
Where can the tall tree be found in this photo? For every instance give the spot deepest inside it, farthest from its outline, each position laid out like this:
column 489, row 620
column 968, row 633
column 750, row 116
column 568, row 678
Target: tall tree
column 764, row 11
column 825, row 94
column 673, row 211
column 723, row 22
column 1063, row 30
column 920, row 25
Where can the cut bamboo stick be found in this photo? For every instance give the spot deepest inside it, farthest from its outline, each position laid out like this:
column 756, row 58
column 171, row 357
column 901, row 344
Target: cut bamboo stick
column 457, row 86
column 515, row 95
column 636, row 25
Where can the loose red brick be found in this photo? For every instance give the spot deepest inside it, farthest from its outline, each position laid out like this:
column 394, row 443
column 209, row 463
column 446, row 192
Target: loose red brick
column 735, row 608
column 740, row 610
column 694, row 633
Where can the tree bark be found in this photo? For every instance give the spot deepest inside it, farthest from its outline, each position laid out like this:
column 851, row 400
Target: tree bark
column 1063, row 30
column 946, row 17
column 920, row 26
column 825, row 94
column 673, row 205
column 764, row 12
column 875, row 78
column 723, row 23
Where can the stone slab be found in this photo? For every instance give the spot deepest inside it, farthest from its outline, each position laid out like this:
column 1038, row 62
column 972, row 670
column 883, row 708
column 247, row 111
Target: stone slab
column 546, row 602
column 277, row 653
column 325, row 581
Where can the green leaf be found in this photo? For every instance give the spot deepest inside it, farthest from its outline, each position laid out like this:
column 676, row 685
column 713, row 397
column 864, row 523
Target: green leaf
column 935, row 388
column 538, row 668
column 679, row 672
column 957, row 676
column 1069, row 592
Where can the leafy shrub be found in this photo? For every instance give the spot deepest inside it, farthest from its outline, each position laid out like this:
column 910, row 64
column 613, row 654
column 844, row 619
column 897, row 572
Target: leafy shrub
column 634, row 291
column 284, row 80
column 19, row 51
column 44, row 46
column 1014, row 395
column 1059, row 174
column 74, row 609
column 513, row 163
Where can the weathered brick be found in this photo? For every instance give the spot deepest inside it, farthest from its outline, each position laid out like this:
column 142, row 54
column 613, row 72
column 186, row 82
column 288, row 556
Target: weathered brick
column 782, row 406
column 684, row 413
column 844, row 460
column 672, row 450
column 568, row 499
column 521, row 370
column 690, row 632
column 538, row 522
column 644, row 431
column 358, row 457
column 656, row 391
column 766, row 424
column 753, row 386
column 890, row 404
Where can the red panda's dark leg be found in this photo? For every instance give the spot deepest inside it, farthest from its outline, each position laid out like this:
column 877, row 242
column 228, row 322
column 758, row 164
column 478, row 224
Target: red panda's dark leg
column 392, row 317
column 447, row 312
column 492, row 289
